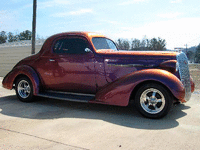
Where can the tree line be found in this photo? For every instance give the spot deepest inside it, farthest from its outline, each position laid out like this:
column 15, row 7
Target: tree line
column 144, row 44
column 193, row 54
column 11, row 37
column 123, row 44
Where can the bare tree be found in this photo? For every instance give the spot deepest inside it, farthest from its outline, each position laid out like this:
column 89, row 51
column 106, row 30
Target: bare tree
column 123, row 44
column 157, row 44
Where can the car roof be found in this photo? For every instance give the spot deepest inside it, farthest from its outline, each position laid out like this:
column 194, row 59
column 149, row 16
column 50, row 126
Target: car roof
column 79, row 33
column 47, row 44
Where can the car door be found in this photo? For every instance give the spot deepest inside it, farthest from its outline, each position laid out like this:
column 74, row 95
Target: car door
column 71, row 67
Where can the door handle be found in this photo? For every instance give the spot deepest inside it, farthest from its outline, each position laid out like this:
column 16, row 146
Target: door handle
column 51, row 60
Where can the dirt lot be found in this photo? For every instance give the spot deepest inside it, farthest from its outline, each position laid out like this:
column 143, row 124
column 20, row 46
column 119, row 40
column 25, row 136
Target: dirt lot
column 52, row 124
column 195, row 73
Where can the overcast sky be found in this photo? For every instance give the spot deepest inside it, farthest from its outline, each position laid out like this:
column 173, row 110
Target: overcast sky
column 176, row 21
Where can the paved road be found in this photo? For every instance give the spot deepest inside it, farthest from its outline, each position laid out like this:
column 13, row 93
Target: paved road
column 53, row 124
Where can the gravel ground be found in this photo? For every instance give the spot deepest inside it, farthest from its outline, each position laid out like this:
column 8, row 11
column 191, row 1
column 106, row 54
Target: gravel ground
column 54, row 124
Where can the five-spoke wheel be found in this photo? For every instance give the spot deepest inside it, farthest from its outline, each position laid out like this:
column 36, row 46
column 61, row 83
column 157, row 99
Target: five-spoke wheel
column 24, row 89
column 153, row 100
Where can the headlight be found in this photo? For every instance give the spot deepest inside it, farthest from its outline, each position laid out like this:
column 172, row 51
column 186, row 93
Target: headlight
column 170, row 65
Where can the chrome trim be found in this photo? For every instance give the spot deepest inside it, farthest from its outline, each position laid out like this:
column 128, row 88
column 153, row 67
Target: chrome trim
column 131, row 65
column 184, row 74
column 52, row 60
column 118, row 63
column 110, row 60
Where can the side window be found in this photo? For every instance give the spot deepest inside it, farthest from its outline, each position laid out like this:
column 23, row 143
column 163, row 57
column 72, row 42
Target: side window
column 70, row 46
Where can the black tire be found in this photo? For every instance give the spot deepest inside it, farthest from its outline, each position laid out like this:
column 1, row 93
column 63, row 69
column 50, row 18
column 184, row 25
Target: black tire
column 153, row 100
column 24, row 89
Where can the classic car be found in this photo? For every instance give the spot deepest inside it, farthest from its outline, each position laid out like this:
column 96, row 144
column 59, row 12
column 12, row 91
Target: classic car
column 88, row 67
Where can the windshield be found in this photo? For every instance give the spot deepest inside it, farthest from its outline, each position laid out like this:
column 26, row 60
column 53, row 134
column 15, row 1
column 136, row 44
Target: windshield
column 103, row 43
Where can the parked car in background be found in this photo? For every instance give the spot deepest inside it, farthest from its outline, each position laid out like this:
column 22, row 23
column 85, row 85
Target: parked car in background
column 88, row 67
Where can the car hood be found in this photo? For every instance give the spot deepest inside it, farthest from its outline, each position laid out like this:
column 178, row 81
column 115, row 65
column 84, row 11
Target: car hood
column 137, row 53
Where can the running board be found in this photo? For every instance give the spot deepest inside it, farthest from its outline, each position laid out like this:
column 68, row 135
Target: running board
column 75, row 97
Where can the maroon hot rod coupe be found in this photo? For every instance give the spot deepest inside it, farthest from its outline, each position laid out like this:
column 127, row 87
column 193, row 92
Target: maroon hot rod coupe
column 88, row 67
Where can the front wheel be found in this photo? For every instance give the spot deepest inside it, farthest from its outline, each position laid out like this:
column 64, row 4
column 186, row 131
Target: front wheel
column 24, row 89
column 153, row 100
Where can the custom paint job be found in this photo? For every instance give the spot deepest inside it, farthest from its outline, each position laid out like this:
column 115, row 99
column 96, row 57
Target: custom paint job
column 111, row 75
column 119, row 91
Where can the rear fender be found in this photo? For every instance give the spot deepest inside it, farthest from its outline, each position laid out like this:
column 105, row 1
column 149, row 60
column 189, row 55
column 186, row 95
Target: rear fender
column 23, row 70
column 119, row 91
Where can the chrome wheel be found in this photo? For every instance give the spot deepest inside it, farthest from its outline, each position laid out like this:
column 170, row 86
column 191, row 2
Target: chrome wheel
column 23, row 89
column 152, row 101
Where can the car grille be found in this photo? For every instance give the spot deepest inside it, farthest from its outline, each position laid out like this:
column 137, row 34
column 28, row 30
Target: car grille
column 184, row 74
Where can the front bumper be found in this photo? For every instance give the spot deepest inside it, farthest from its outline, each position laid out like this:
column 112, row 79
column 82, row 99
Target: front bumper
column 192, row 90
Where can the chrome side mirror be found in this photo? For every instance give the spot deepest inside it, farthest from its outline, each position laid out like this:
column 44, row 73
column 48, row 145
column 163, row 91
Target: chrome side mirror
column 87, row 50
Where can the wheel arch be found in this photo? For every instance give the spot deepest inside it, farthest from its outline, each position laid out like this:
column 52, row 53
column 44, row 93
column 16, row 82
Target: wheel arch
column 34, row 78
column 18, row 77
column 136, row 88
column 22, row 71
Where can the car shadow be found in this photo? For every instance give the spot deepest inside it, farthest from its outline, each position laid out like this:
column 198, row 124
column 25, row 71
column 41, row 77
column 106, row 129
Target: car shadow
column 44, row 108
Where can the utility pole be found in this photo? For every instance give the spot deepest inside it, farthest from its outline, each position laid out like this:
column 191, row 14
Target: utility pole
column 34, row 26
column 186, row 48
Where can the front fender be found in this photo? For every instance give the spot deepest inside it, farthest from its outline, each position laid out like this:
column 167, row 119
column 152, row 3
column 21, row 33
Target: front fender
column 28, row 71
column 119, row 91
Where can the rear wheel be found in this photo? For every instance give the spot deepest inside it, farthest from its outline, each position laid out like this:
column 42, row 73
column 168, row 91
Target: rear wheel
column 153, row 100
column 24, row 89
